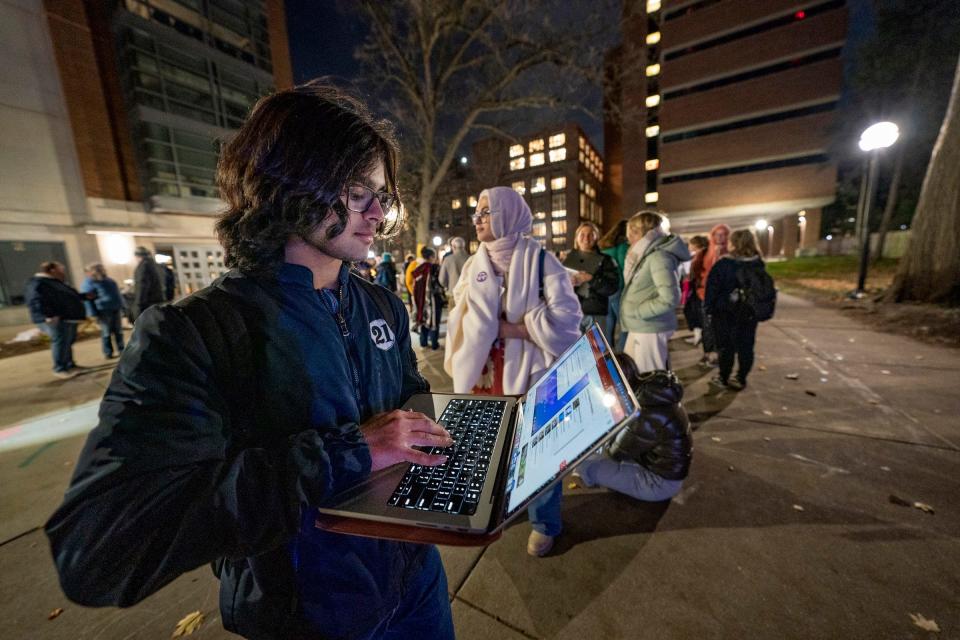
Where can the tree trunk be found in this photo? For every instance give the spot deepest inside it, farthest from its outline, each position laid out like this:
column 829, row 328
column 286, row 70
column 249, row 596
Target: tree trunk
column 891, row 205
column 930, row 271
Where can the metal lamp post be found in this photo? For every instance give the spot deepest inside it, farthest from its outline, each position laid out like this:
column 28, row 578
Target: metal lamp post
column 873, row 140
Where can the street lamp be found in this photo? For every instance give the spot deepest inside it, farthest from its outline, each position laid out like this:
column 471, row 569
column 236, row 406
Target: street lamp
column 873, row 140
column 761, row 226
column 770, row 240
column 437, row 241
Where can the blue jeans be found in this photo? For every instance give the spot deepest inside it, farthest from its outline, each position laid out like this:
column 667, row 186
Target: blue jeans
column 110, row 326
column 628, row 478
column 424, row 611
column 544, row 512
column 62, row 334
column 429, row 335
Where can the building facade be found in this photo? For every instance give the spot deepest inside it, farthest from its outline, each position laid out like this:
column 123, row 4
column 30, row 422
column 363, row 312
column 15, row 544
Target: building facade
column 114, row 112
column 558, row 170
column 726, row 108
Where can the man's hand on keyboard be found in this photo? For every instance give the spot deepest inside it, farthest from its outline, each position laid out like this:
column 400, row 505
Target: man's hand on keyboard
column 392, row 437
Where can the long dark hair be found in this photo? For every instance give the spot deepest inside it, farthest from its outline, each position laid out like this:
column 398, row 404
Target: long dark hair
column 283, row 172
column 616, row 235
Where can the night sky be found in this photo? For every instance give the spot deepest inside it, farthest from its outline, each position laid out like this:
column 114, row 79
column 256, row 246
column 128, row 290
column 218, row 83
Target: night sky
column 324, row 33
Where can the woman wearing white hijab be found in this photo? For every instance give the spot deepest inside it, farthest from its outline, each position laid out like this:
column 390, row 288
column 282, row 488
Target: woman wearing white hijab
column 501, row 334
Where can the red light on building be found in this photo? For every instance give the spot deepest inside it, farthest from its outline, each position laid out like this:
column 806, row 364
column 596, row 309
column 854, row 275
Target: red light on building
column 800, row 15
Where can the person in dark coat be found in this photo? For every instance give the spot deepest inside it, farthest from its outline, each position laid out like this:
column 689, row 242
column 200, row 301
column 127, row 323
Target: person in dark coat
column 429, row 299
column 57, row 309
column 734, row 326
column 237, row 411
column 387, row 272
column 105, row 307
column 597, row 277
column 650, row 458
column 148, row 288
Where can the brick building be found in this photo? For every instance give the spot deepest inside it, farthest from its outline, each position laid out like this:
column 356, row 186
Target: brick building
column 112, row 112
column 726, row 108
column 557, row 169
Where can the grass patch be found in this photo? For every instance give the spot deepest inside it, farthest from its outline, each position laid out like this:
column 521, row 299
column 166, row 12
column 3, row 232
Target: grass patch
column 831, row 276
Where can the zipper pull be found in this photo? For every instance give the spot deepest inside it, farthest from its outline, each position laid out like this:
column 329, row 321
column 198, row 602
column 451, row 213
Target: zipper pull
column 344, row 329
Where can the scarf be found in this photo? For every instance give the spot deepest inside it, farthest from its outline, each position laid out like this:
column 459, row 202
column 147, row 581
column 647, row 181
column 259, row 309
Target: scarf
column 510, row 219
column 637, row 252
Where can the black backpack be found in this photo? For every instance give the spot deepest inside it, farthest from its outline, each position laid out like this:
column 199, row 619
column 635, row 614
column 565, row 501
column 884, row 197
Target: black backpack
column 758, row 295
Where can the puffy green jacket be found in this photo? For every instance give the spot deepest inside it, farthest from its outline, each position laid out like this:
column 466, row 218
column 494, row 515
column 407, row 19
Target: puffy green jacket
column 653, row 294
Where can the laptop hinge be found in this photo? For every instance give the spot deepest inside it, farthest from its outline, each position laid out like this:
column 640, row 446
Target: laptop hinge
column 499, row 502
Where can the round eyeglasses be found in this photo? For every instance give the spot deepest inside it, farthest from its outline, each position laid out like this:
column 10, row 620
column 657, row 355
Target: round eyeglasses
column 359, row 198
column 480, row 216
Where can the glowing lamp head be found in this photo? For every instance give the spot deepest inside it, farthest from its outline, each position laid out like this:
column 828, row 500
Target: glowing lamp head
column 760, row 225
column 879, row 136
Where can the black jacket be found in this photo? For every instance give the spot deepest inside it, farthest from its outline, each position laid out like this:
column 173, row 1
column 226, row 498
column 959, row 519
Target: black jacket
column 593, row 295
column 48, row 297
column 660, row 439
column 231, row 415
column 148, row 285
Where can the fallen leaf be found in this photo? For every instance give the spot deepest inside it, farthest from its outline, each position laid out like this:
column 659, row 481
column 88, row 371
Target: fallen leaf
column 885, row 468
column 918, row 357
column 923, row 623
column 792, row 376
column 766, row 439
column 937, row 411
column 767, row 412
column 871, row 401
column 923, row 507
column 730, row 468
column 797, row 507
column 900, row 502
column 810, row 393
column 824, row 380
column 839, row 357
column 783, row 408
column 762, row 367
column 851, row 340
column 55, row 613
column 715, row 438
column 190, row 623
column 884, row 372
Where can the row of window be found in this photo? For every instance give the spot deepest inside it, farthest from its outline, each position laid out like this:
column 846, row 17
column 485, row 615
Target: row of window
column 538, row 159
column 652, row 163
column 557, row 152
column 237, row 28
column 169, row 80
column 178, row 163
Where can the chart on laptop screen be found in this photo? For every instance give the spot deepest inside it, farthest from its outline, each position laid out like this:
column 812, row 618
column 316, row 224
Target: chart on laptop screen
column 566, row 412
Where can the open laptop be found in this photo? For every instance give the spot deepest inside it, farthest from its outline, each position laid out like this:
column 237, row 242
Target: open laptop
column 506, row 450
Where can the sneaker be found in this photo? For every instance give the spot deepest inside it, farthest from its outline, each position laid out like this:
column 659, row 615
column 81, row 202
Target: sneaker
column 539, row 544
column 64, row 375
column 719, row 383
column 736, row 385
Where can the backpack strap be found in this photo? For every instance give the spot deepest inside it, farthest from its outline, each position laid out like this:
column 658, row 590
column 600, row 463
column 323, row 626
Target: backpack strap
column 540, row 259
column 224, row 333
column 381, row 298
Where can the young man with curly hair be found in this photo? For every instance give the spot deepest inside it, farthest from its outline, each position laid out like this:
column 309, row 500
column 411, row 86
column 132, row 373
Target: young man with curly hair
column 236, row 412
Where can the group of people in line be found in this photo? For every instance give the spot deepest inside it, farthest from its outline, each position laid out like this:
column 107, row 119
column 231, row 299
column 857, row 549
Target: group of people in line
column 238, row 411
column 58, row 309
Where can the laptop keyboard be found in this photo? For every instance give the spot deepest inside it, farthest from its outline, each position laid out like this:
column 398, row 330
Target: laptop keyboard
column 454, row 487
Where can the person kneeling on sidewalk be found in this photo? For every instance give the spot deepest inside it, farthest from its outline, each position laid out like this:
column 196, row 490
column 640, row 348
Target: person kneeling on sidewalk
column 649, row 459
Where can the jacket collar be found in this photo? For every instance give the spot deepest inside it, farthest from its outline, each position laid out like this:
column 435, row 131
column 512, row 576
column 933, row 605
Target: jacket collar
column 298, row 276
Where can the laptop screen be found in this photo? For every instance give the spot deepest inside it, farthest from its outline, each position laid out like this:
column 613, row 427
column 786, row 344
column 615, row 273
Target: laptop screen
column 566, row 413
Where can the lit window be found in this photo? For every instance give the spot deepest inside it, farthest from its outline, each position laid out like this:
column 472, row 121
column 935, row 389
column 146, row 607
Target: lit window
column 516, row 150
column 540, row 215
column 582, row 185
column 583, row 143
column 517, row 163
column 539, row 185
column 652, row 70
column 558, row 228
column 558, row 205
column 652, row 165
column 558, row 183
column 539, row 230
column 651, row 197
column 653, row 38
column 456, row 204
column 474, row 245
column 558, row 140
column 653, row 5
column 653, row 100
column 556, row 155
column 536, row 159
column 519, row 187
column 536, row 145
column 472, row 202
column 583, row 158
column 653, row 131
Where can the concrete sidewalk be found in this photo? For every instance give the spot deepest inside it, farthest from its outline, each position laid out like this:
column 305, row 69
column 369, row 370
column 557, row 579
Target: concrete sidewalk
column 785, row 527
